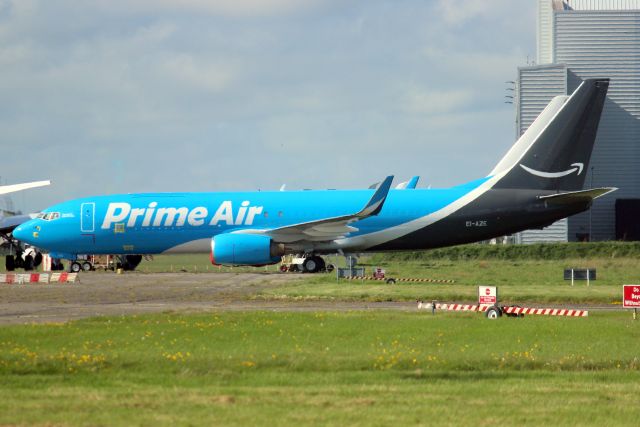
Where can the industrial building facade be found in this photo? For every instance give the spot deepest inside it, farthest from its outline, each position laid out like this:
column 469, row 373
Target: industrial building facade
column 578, row 39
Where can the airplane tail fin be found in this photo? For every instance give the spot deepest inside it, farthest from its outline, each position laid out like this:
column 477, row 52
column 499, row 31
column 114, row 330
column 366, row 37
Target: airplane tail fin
column 554, row 153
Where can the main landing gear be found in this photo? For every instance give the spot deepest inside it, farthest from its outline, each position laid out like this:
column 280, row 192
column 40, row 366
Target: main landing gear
column 308, row 263
column 78, row 266
column 313, row 264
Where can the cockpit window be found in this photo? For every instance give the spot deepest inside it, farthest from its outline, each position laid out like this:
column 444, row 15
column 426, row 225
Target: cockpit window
column 49, row 216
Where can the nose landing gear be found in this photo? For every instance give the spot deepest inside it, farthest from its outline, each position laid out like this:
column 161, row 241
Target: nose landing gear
column 25, row 257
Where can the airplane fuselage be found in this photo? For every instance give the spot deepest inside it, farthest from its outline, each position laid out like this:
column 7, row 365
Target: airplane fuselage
column 186, row 222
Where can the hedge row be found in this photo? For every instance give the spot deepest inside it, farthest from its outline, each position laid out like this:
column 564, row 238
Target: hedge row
column 533, row 251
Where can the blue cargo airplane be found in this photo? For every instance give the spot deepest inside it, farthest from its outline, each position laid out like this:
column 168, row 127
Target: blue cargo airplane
column 539, row 181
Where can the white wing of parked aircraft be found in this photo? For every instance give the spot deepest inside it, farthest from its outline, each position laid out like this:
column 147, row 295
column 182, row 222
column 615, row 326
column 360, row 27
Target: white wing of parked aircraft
column 9, row 223
column 5, row 189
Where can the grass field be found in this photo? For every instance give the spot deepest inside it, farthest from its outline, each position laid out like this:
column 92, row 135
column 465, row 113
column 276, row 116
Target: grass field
column 523, row 281
column 360, row 368
column 520, row 281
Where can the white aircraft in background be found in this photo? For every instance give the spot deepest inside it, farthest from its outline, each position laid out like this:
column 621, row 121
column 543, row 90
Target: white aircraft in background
column 28, row 258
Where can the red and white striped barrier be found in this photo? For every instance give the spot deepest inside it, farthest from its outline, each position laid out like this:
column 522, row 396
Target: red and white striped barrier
column 42, row 278
column 425, row 280
column 546, row 311
column 397, row 279
column 462, row 307
column 513, row 310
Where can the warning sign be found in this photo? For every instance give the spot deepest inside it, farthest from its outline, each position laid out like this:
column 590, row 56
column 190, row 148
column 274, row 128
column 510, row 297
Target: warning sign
column 631, row 296
column 487, row 295
column 378, row 273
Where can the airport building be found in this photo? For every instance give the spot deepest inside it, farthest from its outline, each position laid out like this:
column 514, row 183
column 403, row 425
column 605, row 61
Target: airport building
column 579, row 39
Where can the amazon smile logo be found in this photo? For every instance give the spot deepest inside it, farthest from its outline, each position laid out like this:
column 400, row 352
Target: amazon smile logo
column 577, row 167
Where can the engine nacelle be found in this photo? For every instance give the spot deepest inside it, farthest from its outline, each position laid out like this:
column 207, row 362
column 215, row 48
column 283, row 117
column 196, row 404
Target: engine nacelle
column 245, row 249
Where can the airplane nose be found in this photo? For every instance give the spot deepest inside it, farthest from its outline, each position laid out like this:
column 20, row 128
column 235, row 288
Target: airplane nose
column 26, row 233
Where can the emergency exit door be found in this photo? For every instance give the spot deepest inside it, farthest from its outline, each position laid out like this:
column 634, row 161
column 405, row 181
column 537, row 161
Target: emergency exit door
column 87, row 217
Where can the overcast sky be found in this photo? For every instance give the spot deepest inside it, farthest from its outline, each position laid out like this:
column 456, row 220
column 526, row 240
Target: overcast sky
column 117, row 96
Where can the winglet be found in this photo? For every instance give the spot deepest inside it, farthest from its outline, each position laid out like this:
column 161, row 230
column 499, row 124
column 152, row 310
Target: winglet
column 413, row 182
column 408, row 185
column 374, row 206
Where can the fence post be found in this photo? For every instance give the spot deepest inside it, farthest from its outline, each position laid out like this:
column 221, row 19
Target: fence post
column 572, row 277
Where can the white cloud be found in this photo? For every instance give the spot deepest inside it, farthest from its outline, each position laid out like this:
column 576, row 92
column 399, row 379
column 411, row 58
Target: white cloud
column 230, row 8
column 200, row 74
column 468, row 65
column 460, row 11
column 419, row 100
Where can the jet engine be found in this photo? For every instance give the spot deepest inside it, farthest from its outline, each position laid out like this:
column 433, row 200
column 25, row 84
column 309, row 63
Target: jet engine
column 245, row 249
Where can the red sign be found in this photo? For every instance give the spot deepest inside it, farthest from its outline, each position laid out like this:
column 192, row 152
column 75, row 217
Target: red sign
column 378, row 273
column 631, row 296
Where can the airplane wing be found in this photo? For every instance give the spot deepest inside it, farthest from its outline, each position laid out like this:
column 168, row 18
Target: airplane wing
column 576, row 196
column 330, row 228
column 5, row 189
column 9, row 223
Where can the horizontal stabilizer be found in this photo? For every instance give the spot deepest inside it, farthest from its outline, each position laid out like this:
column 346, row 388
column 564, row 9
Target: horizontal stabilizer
column 577, row 196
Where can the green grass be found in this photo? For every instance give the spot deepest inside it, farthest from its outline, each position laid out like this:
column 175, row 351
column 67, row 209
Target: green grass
column 520, row 281
column 362, row 368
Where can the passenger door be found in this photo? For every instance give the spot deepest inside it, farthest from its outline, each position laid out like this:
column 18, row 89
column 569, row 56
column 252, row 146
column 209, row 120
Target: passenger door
column 88, row 221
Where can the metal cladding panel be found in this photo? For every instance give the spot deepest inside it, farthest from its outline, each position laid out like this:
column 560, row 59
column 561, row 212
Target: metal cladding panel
column 602, row 4
column 536, row 87
column 544, row 36
column 557, row 232
column 606, row 44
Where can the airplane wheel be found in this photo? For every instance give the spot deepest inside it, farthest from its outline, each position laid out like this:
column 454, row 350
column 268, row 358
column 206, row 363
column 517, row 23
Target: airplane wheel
column 28, row 263
column 86, row 266
column 75, row 267
column 10, row 263
column 37, row 260
column 321, row 264
column 313, row 264
column 330, row 268
column 131, row 262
